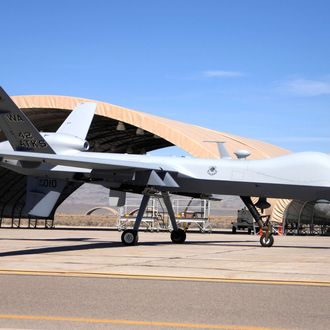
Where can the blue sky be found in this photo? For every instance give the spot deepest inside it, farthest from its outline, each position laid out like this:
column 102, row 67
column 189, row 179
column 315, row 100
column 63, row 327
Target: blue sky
column 255, row 68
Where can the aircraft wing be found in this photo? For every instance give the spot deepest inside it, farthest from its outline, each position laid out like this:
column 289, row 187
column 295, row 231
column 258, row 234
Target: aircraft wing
column 83, row 161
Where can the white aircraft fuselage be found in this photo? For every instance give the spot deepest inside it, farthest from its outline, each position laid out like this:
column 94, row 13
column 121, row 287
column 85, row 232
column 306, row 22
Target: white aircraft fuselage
column 304, row 176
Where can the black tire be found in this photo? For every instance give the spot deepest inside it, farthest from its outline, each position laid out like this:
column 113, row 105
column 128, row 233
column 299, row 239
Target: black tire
column 249, row 231
column 266, row 243
column 178, row 236
column 233, row 230
column 129, row 237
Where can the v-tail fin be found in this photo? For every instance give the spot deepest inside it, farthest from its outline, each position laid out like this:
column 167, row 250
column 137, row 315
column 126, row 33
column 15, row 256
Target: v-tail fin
column 79, row 120
column 18, row 129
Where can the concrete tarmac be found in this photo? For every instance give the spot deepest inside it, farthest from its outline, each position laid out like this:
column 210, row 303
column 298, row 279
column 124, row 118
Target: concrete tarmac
column 84, row 279
column 108, row 303
column 203, row 255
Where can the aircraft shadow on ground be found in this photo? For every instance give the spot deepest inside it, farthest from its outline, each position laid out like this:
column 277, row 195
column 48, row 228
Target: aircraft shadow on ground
column 79, row 239
column 53, row 249
column 106, row 245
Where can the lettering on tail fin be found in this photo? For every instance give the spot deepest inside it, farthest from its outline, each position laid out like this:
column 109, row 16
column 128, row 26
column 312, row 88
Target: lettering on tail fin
column 27, row 142
column 18, row 129
column 14, row 118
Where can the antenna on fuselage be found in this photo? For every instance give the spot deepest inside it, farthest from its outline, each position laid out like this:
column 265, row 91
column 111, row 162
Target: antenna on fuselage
column 223, row 152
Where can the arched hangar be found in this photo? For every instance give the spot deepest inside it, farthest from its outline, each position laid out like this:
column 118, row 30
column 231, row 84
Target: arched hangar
column 119, row 130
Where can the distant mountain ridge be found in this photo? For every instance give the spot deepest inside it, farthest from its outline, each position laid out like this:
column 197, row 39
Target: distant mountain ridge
column 89, row 196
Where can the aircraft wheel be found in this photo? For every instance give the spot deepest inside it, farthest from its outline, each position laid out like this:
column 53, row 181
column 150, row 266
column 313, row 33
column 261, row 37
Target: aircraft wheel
column 178, row 236
column 129, row 237
column 267, row 243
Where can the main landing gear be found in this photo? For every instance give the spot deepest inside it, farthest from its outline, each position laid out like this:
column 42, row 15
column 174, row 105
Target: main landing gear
column 178, row 236
column 267, row 238
column 130, row 236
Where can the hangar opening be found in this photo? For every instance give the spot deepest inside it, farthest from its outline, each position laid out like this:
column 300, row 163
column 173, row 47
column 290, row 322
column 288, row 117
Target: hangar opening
column 307, row 218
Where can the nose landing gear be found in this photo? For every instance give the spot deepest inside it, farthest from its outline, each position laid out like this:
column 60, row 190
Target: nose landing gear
column 267, row 238
column 266, row 241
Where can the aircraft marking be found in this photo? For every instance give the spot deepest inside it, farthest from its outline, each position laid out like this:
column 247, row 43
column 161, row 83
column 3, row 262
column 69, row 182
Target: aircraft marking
column 48, row 183
column 212, row 170
column 28, row 141
column 14, row 118
column 32, row 143
column 25, row 135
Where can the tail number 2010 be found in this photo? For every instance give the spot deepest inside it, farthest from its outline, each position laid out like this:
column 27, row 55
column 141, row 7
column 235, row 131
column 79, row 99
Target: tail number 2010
column 48, row 183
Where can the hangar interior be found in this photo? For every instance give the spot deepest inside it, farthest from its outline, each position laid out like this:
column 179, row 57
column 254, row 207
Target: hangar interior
column 117, row 129
column 307, row 218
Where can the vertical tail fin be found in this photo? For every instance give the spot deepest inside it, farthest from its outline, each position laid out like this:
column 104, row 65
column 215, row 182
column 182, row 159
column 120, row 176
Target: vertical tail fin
column 79, row 120
column 18, row 129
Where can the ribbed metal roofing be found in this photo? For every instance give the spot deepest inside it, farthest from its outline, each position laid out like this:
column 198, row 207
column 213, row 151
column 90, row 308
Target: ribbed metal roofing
column 190, row 138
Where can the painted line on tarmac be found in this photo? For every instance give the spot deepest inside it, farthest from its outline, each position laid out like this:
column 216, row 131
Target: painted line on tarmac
column 160, row 277
column 128, row 322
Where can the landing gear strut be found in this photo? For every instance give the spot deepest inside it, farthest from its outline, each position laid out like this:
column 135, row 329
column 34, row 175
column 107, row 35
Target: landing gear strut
column 267, row 239
column 130, row 236
column 178, row 235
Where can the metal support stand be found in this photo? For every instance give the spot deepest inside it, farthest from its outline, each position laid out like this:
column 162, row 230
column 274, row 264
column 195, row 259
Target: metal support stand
column 143, row 206
column 168, row 204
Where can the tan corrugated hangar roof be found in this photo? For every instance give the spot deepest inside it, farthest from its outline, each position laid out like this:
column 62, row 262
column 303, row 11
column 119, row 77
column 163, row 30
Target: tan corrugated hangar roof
column 185, row 136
